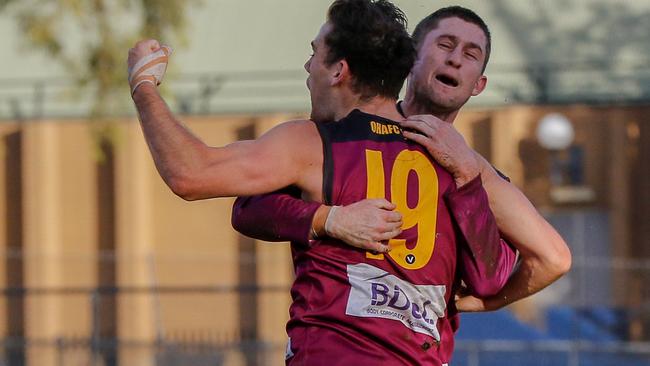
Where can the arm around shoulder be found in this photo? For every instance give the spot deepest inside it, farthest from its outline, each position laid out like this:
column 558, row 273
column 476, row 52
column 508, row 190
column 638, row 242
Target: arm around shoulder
column 545, row 256
column 524, row 227
column 486, row 260
column 277, row 216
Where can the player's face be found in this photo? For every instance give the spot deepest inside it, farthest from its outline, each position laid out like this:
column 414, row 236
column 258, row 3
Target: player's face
column 319, row 79
column 449, row 66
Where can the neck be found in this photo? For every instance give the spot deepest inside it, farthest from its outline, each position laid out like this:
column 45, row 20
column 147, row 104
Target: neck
column 412, row 107
column 379, row 106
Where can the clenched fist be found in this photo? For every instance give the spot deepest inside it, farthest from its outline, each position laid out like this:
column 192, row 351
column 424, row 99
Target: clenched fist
column 147, row 63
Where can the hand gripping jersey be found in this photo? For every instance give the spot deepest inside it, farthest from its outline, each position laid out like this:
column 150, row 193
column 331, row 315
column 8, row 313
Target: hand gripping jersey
column 352, row 307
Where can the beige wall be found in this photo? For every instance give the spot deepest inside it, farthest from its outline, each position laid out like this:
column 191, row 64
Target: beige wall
column 161, row 240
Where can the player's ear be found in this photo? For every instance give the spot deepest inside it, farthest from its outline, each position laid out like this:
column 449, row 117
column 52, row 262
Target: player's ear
column 479, row 86
column 340, row 72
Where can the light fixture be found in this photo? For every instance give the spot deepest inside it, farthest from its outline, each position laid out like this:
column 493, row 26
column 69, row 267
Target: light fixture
column 555, row 132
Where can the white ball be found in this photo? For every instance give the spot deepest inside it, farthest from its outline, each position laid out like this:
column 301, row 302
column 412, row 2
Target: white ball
column 555, row 132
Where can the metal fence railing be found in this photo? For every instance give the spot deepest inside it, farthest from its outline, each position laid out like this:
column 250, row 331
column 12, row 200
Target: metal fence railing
column 174, row 345
column 191, row 324
column 199, row 352
column 173, row 339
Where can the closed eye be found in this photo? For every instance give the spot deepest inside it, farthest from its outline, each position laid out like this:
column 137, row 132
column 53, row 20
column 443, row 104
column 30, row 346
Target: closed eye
column 471, row 55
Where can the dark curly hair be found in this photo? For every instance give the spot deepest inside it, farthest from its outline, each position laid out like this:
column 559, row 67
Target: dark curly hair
column 430, row 23
column 371, row 36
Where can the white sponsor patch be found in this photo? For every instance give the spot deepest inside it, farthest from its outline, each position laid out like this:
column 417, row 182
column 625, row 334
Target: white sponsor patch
column 376, row 293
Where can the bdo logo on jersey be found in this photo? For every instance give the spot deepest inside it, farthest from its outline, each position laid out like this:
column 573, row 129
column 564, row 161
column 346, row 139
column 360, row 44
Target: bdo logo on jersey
column 378, row 294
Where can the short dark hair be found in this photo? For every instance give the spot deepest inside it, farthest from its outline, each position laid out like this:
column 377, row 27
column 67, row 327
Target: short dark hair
column 430, row 23
column 371, row 36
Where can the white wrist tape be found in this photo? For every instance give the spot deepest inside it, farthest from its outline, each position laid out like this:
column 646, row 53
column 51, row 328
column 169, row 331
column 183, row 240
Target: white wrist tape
column 328, row 220
column 149, row 69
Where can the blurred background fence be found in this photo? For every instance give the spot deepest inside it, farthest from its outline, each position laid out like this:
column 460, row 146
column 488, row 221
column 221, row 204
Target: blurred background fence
column 100, row 345
column 566, row 328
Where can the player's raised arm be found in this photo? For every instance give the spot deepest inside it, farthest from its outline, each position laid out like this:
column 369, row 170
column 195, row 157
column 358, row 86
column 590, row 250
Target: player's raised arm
column 194, row 170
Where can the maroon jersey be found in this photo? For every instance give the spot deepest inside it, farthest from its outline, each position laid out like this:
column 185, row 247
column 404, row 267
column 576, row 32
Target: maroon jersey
column 353, row 307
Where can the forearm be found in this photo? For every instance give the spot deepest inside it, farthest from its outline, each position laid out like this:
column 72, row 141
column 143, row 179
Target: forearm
column 530, row 277
column 524, row 227
column 545, row 257
column 277, row 216
column 175, row 150
column 486, row 260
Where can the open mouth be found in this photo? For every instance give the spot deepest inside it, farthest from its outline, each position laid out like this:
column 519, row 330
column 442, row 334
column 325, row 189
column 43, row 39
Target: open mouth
column 447, row 80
